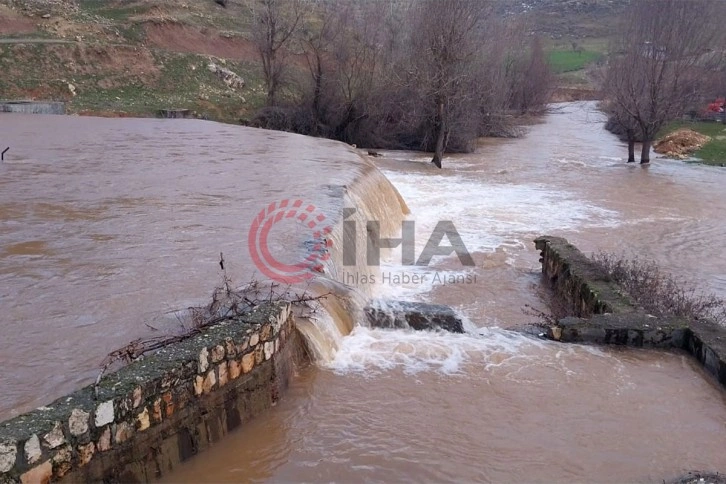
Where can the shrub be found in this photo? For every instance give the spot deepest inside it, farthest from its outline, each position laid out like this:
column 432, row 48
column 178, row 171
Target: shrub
column 659, row 293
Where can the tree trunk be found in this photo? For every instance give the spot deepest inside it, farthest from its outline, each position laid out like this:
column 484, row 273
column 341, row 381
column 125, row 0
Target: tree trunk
column 645, row 153
column 318, row 90
column 440, row 136
column 631, row 150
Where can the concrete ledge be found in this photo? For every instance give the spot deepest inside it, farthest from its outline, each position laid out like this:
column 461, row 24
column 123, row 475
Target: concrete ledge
column 158, row 411
column 32, row 107
column 174, row 113
column 414, row 315
column 634, row 329
column 601, row 313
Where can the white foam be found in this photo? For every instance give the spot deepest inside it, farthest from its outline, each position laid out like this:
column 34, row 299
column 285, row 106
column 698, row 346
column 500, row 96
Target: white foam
column 422, row 280
column 373, row 350
column 488, row 214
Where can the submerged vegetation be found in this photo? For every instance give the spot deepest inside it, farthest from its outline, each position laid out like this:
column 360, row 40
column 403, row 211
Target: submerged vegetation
column 431, row 75
column 659, row 293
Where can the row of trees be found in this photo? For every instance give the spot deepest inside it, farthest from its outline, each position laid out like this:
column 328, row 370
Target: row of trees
column 668, row 55
column 428, row 74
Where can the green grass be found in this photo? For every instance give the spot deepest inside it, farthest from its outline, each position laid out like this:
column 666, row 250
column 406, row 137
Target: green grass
column 117, row 11
column 713, row 152
column 568, row 60
column 177, row 87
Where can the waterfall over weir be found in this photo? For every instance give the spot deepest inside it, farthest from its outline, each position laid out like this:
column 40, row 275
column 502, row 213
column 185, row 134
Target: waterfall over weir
column 370, row 198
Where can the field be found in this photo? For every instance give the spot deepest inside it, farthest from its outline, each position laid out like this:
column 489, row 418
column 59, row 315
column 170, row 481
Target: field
column 562, row 61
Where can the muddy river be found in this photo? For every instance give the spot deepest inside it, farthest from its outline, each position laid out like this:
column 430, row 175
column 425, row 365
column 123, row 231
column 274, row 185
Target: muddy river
column 106, row 223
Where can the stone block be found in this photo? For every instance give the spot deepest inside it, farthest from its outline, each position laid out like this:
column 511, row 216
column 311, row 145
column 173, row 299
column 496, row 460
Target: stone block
column 78, row 422
column 8, row 454
column 41, row 474
column 104, row 414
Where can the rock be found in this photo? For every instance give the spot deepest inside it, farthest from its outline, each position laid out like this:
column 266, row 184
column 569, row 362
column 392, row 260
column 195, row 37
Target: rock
column 47, row 15
column 124, row 431
column 137, row 397
column 203, row 360
column 698, row 477
column 42, row 473
column 143, row 420
column 269, row 348
column 104, row 442
column 8, row 451
column 62, row 461
column 248, row 362
column 104, row 413
column 78, row 422
column 55, row 437
column 85, row 453
column 209, row 381
column 231, row 79
column 217, row 354
column 198, row 385
column 223, row 374
column 235, row 368
column 414, row 315
column 32, row 450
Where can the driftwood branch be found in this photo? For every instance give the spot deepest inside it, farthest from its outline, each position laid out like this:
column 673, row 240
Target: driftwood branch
column 226, row 303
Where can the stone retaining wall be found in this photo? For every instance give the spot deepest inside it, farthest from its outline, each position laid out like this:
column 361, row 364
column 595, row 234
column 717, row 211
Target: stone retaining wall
column 160, row 410
column 601, row 313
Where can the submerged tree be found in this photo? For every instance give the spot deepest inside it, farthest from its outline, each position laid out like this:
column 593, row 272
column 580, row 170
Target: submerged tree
column 656, row 72
column 623, row 125
column 531, row 78
column 275, row 22
column 446, row 39
column 431, row 75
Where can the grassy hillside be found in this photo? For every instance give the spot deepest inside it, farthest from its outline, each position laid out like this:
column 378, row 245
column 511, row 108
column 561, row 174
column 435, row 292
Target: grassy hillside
column 134, row 57
column 123, row 57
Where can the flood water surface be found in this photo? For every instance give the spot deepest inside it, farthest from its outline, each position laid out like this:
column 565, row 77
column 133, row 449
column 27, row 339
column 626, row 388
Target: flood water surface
column 96, row 238
column 109, row 224
column 494, row 405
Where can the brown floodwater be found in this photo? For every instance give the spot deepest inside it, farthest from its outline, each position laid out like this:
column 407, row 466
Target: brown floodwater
column 107, row 225
column 110, row 222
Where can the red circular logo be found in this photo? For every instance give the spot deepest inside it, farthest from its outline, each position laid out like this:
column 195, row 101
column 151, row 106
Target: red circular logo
column 303, row 213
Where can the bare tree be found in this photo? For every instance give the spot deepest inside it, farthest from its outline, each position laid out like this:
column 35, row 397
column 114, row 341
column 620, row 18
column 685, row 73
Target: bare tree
column 446, row 38
column 622, row 124
column 531, row 79
column 318, row 33
column 275, row 22
column 654, row 75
